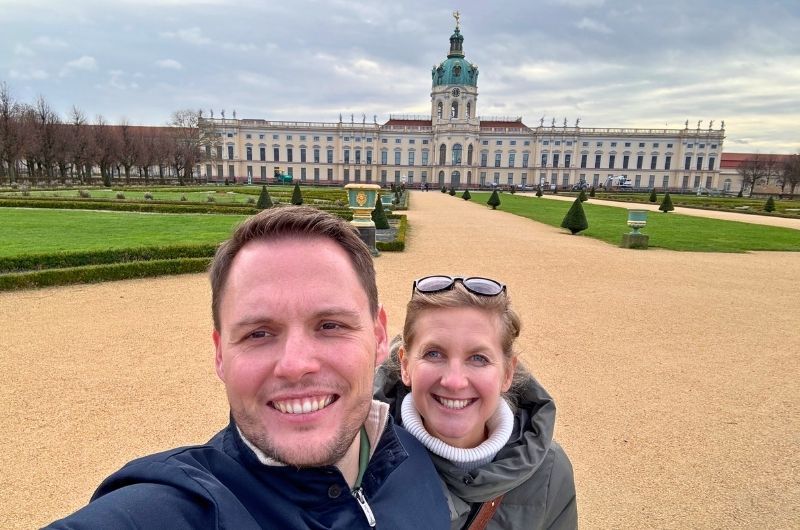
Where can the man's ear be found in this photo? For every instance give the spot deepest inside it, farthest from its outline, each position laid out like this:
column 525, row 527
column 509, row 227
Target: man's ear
column 381, row 337
column 218, row 355
column 402, row 357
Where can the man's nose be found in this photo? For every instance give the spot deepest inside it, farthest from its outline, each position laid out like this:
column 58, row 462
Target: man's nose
column 454, row 377
column 298, row 358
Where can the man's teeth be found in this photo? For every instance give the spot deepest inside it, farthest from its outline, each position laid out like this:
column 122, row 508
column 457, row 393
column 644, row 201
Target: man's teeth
column 454, row 403
column 303, row 406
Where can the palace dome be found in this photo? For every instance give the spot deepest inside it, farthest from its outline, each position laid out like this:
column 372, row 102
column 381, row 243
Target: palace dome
column 455, row 70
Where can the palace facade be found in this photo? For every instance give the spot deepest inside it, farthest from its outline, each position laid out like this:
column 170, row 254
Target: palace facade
column 455, row 146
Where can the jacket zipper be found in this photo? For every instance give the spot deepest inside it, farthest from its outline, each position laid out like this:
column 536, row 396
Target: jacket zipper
column 358, row 493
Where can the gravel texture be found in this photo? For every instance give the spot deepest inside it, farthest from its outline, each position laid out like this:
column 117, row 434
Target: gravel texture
column 672, row 371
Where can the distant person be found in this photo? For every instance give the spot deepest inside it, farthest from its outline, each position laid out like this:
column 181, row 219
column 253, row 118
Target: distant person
column 453, row 380
column 297, row 332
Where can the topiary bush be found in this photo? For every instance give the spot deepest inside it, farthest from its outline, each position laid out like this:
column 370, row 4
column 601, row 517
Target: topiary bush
column 539, row 191
column 210, row 199
column 494, row 200
column 452, row 191
column 466, row 196
column 653, row 196
column 379, row 216
column 120, row 196
column 297, row 195
column 264, row 200
column 769, row 206
column 591, row 191
column 575, row 220
column 444, row 189
column 513, row 189
column 148, row 196
column 582, row 196
column 666, row 204
column 83, row 194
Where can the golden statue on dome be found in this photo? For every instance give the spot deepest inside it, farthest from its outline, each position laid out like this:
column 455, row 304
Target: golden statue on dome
column 457, row 16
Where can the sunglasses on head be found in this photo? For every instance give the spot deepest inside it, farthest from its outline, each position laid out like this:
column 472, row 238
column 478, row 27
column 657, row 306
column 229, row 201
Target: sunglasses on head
column 473, row 284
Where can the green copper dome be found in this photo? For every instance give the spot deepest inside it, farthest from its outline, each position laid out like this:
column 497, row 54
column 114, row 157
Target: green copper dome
column 455, row 70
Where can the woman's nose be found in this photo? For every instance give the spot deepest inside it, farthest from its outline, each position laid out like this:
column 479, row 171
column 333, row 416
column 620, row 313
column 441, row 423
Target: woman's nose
column 454, row 377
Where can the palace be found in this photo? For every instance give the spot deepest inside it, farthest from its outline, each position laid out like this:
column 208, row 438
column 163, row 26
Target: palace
column 455, row 146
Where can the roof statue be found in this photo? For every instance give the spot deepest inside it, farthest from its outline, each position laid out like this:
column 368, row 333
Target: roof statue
column 457, row 16
column 710, row 124
column 577, row 122
column 565, row 123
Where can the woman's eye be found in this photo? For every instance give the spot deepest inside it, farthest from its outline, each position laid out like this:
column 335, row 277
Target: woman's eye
column 479, row 359
column 432, row 354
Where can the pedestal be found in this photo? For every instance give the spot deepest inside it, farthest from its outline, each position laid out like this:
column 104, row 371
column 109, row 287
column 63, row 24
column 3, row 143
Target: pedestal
column 367, row 234
column 634, row 241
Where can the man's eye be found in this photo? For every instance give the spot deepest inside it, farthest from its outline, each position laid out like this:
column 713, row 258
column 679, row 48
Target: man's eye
column 260, row 334
column 330, row 325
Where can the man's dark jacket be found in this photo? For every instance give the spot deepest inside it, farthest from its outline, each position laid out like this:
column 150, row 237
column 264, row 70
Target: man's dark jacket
column 222, row 484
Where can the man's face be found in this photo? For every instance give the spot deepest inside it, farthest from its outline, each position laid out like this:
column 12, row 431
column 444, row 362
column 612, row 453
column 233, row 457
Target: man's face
column 297, row 349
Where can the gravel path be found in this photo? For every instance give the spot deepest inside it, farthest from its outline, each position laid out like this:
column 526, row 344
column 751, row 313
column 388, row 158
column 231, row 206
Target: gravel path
column 672, row 371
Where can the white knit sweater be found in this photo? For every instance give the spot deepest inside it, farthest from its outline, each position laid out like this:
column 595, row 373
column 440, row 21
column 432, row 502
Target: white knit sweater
column 500, row 425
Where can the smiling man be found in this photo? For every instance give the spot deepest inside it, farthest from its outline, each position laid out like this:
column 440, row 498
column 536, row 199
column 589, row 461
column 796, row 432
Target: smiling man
column 297, row 332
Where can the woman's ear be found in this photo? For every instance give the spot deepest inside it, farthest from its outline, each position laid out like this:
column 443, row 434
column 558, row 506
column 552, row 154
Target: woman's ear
column 402, row 356
column 509, row 375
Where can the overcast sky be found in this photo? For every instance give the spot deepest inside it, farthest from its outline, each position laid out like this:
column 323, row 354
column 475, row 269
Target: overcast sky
column 611, row 63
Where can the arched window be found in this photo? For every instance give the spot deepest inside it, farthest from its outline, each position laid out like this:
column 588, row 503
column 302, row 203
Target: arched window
column 454, row 110
column 441, row 179
column 469, row 152
column 455, row 179
column 469, row 178
column 457, row 154
column 442, row 154
column 439, row 110
column 469, row 109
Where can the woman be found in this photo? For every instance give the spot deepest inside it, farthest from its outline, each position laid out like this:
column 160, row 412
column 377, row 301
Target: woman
column 486, row 422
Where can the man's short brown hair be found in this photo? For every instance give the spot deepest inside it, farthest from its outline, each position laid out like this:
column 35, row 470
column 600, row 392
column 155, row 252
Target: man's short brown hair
column 293, row 222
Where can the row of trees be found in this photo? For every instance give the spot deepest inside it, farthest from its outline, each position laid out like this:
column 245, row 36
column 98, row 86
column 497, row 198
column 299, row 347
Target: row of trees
column 760, row 169
column 38, row 146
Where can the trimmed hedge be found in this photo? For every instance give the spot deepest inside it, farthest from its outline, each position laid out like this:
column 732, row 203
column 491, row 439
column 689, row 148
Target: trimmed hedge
column 66, row 259
column 117, row 206
column 399, row 244
column 100, row 273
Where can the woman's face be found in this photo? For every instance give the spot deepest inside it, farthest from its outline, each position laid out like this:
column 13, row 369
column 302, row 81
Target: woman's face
column 457, row 372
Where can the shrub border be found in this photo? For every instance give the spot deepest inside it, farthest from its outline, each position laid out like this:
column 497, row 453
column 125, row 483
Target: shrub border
column 100, row 273
column 399, row 244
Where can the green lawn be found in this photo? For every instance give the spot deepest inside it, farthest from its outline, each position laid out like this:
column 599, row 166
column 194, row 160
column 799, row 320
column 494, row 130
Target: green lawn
column 35, row 231
column 669, row 231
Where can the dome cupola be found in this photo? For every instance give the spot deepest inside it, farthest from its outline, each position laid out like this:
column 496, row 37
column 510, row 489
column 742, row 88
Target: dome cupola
column 455, row 70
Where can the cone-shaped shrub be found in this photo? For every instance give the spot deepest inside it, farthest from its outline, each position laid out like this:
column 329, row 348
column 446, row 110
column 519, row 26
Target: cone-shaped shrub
column 539, row 191
column 264, row 200
column 494, row 200
column 379, row 216
column 740, row 195
column 653, row 196
column 444, row 190
column 575, row 220
column 466, row 196
column 770, row 205
column 666, row 204
column 513, row 189
column 297, row 196
column 452, row 191
column 591, row 191
column 582, row 196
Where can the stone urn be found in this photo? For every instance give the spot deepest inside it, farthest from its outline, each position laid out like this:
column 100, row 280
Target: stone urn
column 361, row 200
column 637, row 219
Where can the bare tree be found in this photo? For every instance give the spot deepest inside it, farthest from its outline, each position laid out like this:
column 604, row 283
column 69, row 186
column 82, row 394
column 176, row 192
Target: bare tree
column 105, row 149
column 127, row 148
column 753, row 171
column 10, row 140
column 82, row 145
column 790, row 174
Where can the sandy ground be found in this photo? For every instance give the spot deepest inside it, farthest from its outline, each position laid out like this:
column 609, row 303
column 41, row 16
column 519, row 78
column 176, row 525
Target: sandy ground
column 673, row 372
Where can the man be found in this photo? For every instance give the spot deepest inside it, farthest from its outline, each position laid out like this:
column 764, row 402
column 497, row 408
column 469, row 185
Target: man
column 298, row 332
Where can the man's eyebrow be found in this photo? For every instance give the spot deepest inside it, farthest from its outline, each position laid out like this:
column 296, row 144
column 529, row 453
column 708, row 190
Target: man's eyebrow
column 328, row 312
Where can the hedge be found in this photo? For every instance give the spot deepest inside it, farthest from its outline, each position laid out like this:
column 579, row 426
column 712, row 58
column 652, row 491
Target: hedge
column 66, row 259
column 99, row 273
column 399, row 244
